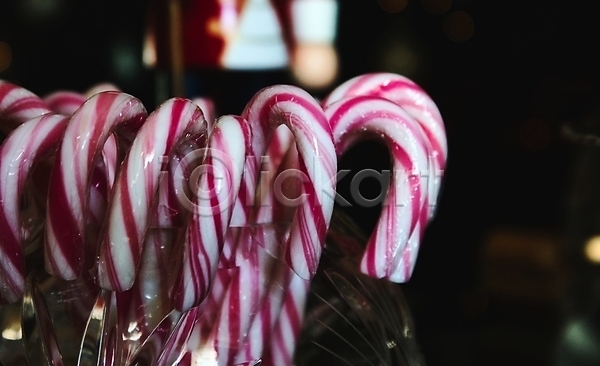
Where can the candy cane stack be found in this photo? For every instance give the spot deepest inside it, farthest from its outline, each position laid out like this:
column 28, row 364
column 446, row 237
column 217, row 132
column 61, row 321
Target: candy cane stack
column 202, row 233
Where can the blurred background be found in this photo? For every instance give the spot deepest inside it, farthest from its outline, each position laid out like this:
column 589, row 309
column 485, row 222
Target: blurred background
column 508, row 270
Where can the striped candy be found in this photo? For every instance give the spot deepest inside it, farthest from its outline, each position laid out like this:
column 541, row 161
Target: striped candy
column 18, row 105
column 64, row 102
column 291, row 106
column 213, row 205
column 135, row 189
column 68, row 249
column 404, row 211
column 27, row 145
column 418, row 104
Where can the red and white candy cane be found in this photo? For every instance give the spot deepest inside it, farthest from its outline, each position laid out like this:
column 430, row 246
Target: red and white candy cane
column 404, row 212
column 21, row 151
column 68, row 249
column 295, row 108
column 64, row 102
column 18, row 105
column 135, row 189
column 417, row 103
column 217, row 192
column 285, row 333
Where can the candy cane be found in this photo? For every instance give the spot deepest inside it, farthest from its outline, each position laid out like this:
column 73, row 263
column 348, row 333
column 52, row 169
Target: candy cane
column 285, row 334
column 18, row 105
column 206, row 233
column 355, row 118
column 136, row 186
column 292, row 106
column 67, row 249
column 25, row 147
column 64, row 102
column 418, row 104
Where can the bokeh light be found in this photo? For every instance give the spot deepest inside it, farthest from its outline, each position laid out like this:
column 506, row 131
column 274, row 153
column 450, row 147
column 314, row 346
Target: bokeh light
column 399, row 57
column 436, row 7
column 5, row 56
column 392, row 6
column 459, row 26
column 592, row 249
column 315, row 65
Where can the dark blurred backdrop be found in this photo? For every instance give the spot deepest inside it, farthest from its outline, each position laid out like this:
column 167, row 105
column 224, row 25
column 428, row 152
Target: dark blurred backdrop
column 502, row 278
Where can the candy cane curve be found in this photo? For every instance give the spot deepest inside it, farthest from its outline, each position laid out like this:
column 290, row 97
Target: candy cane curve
column 134, row 192
column 64, row 102
column 18, row 105
column 20, row 152
column 417, row 103
column 226, row 151
column 356, row 118
column 68, row 249
column 67, row 102
column 294, row 107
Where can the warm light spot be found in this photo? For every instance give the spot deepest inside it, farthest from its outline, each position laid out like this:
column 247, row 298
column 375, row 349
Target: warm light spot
column 13, row 332
column 459, row 26
column 149, row 53
column 213, row 27
column 315, row 65
column 592, row 249
column 436, row 7
column 5, row 56
column 392, row 6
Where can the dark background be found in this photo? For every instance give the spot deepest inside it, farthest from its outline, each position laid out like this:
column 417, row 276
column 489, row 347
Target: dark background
column 501, row 278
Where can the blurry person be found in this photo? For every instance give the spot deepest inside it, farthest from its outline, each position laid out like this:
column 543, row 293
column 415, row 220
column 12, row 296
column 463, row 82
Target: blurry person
column 229, row 49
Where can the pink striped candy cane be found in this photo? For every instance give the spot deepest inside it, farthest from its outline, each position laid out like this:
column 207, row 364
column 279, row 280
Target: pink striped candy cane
column 68, row 249
column 64, row 102
column 18, row 105
column 295, row 108
column 355, row 118
column 225, row 155
column 175, row 121
column 418, row 104
column 21, row 151
column 285, row 334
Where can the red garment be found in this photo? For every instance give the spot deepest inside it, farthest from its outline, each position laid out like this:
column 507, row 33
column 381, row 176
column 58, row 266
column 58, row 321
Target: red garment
column 203, row 44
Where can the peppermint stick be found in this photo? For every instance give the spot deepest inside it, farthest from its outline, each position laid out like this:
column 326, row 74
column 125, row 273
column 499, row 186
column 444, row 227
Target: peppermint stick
column 295, row 108
column 417, row 103
column 68, row 249
column 357, row 118
column 135, row 189
column 217, row 192
column 27, row 145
